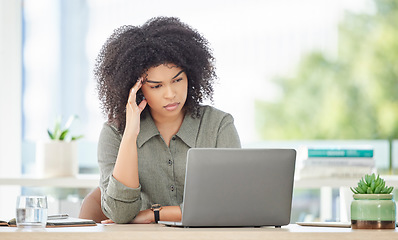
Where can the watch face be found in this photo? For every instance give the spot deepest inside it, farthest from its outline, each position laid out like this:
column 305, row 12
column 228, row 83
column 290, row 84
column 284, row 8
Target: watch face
column 156, row 206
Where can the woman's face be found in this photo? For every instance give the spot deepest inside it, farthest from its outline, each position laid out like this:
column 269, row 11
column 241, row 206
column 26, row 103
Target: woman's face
column 165, row 88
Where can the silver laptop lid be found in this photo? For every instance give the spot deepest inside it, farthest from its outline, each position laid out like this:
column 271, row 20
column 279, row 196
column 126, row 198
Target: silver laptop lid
column 238, row 187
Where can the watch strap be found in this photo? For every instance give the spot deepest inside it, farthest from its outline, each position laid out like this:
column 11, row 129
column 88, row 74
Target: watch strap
column 157, row 217
column 156, row 211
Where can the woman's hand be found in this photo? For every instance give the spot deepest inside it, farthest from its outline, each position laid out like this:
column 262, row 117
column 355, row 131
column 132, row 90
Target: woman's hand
column 126, row 166
column 133, row 111
column 107, row 221
column 145, row 216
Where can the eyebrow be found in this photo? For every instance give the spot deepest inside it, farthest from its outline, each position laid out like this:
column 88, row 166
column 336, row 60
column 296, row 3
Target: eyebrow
column 178, row 74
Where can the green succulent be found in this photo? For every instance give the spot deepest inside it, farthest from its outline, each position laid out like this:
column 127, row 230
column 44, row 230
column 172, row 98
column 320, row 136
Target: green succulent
column 61, row 133
column 370, row 184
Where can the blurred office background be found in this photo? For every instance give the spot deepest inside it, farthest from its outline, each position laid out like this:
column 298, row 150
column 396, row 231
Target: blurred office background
column 289, row 71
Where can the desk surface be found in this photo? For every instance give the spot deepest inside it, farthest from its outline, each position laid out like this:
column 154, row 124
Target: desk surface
column 158, row 231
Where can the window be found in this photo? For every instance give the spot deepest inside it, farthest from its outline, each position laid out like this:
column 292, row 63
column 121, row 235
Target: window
column 252, row 41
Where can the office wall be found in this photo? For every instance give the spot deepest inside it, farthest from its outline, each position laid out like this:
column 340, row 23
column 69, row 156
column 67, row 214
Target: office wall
column 10, row 98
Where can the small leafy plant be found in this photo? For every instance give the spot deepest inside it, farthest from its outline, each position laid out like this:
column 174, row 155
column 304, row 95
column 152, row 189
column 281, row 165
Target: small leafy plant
column 61, row 133
column 370, row 184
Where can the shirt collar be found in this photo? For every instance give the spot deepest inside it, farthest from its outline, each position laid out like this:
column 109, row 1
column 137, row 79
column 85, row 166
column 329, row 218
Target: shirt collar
column 189, row 130
column 148, row 129
column 187, row 133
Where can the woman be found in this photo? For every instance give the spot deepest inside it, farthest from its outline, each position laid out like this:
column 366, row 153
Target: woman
column 151, row 81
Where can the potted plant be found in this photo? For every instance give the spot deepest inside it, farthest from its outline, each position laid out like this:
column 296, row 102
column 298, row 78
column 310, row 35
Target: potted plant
column 373, row 206
column 58, row 157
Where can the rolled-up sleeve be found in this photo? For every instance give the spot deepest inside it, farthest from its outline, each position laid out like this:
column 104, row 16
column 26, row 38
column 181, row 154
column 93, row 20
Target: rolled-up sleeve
column 118, row 202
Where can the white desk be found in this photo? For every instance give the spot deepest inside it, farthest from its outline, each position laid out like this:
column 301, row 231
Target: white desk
column 158, row 231
column 80, row 181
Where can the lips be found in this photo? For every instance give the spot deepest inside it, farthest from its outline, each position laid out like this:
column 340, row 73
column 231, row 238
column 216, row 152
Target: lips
column 171, row 106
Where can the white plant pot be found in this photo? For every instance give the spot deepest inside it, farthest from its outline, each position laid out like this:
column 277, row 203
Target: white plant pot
column 57, row 159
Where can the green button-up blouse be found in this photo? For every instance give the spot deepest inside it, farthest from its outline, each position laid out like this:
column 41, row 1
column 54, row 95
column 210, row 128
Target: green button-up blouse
column 161, row 168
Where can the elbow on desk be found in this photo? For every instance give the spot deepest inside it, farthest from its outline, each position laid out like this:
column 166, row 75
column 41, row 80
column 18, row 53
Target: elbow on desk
column 120, row 215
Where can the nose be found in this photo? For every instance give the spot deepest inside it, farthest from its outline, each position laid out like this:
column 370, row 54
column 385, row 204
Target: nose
column 169, row 92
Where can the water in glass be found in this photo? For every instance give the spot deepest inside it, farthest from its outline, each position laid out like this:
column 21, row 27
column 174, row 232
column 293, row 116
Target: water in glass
column 31, row 211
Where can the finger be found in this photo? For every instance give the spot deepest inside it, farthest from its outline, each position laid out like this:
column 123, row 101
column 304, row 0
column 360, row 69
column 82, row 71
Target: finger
column 142, row 105
column 138, row 84
column 134, row 90
column 107, row 221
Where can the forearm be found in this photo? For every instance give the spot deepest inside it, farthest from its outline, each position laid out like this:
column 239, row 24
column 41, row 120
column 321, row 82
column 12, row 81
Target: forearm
column 167, row 213
column 119, row 202
column 170, row 213
column 126, row 166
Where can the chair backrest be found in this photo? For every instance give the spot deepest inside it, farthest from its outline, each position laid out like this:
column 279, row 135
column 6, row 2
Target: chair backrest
column 91, row 207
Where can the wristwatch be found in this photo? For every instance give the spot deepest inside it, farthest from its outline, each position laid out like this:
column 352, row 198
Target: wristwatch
column 156, row 209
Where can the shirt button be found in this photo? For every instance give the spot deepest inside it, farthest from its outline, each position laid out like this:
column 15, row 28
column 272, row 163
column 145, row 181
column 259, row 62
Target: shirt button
column 172, row 188
column 173, row 138
column 170, row 162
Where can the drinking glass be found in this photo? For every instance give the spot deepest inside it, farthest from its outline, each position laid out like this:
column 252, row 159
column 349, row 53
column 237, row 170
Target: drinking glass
column 31, row 211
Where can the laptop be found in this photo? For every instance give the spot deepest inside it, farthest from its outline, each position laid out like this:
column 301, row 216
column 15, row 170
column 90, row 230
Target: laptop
column 237, row 188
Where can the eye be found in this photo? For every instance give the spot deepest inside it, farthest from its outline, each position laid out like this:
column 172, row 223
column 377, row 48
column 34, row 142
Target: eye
column 156, row 86
column 178, row 80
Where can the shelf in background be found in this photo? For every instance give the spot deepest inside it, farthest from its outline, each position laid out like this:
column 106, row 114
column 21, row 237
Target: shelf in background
column 80, row 181
column 391, row 180
column 92, row 180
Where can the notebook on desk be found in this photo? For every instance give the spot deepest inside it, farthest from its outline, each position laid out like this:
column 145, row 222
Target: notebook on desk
column 62, row 222
column 237, row 187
